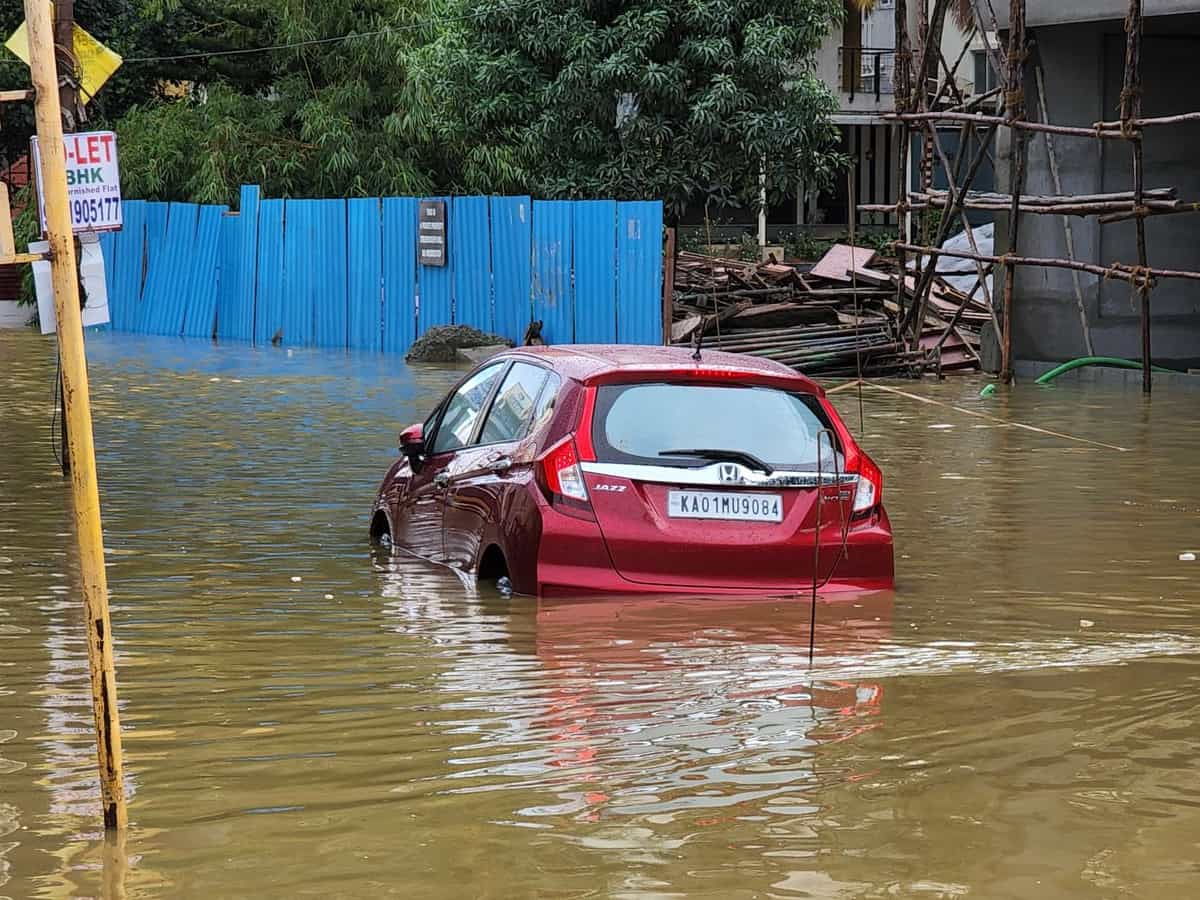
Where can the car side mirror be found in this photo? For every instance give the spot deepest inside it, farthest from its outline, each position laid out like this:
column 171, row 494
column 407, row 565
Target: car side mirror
column 412, row 445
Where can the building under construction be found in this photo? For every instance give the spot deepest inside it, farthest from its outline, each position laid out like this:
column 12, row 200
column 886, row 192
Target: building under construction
column 1092, row 133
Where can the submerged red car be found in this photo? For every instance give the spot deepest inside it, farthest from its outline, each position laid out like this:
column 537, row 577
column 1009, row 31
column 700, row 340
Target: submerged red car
column 618, row 469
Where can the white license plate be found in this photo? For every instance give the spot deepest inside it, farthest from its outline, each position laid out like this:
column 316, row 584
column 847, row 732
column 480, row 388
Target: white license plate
column 725, row 505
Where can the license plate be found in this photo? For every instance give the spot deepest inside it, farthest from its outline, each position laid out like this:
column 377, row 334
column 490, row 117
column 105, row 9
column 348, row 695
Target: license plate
column 725, row 505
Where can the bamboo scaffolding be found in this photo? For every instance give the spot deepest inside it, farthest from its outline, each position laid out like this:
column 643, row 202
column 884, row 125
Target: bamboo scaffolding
column 978, row 119
column 923, row 102
column 1131, row 109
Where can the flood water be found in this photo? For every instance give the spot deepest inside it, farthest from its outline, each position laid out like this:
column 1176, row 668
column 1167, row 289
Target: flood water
column 303, row 718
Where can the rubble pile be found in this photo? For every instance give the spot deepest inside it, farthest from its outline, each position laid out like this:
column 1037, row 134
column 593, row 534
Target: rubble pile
column 826, row 319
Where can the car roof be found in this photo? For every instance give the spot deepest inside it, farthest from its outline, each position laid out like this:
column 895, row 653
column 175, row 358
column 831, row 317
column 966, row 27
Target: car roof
column 589, row 362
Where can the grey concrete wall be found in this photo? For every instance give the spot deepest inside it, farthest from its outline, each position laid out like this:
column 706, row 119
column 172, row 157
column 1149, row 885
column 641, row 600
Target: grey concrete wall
column 1059, row 12
column 1083, row 65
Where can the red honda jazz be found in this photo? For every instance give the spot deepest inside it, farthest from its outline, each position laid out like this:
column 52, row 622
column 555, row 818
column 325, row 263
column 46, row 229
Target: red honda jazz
column 617, row 469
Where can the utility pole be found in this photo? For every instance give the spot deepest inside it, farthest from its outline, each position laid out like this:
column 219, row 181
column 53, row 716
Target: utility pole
column 84, row 488
column 68, row 99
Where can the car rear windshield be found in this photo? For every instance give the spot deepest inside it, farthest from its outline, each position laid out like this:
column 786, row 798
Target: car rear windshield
column 640, row 423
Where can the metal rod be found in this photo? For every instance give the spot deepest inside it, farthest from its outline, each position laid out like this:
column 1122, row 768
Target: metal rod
column 812, row 623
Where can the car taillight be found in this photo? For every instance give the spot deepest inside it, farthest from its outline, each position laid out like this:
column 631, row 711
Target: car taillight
column 561, row 472
column 869, row 494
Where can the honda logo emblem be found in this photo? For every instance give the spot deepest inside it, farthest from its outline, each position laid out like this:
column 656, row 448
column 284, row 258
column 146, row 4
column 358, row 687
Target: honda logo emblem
column 729, row 473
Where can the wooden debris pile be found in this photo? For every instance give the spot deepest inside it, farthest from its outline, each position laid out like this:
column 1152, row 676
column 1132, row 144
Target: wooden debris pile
column 828, row 319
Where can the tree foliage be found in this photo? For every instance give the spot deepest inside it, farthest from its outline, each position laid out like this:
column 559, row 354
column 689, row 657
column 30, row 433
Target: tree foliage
column 719, row 97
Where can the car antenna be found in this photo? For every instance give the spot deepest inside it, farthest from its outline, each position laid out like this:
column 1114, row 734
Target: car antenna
column 697, row 343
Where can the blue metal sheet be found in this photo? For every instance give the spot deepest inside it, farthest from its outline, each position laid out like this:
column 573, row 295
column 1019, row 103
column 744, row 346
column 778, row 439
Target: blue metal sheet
column 435, row 285
column 125, row 282
column 155, row 235
column 552, row 294
column 639, row 272
column 399, row 273
column 325, row 259
column 512, row 238
column 108, row 252
column 300, row 235
column 470, row 260
column 168, row 272
column 268, row 303
column 595, row 267
column 239, row 261
column 365, row 273
column 201, row 316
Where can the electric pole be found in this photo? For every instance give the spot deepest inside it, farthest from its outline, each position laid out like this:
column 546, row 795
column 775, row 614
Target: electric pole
column 68, row 99
column 78, row 414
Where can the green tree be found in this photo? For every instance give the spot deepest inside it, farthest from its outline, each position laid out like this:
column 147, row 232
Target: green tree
column 693, row 101
column 328, row 115
column 122, row 25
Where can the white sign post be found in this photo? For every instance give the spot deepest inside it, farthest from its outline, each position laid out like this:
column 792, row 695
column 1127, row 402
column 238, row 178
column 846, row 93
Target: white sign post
column 93, row 181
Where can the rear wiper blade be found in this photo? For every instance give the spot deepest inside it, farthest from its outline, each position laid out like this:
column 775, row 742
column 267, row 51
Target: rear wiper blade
column 730, row 455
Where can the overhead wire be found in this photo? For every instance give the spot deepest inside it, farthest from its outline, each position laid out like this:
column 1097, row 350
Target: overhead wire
column 293, row 45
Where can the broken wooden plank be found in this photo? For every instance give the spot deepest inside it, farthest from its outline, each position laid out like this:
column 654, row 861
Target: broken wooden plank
column 836, row 264
column 682, row 331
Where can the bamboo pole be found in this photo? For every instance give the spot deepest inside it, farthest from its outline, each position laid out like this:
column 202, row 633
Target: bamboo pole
column 1056, row 180
column 968, row 132
column 1014, row 103
column 1139, row 123
column 1131, row 110
column 1116, row 270
column 85, row 490
column 1024, row 125
column 901, row 69
column 1065, row 207
column 925, row 278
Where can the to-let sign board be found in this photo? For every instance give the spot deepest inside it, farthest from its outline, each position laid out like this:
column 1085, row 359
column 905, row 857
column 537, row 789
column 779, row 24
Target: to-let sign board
column 93, row 181
column 431, row 232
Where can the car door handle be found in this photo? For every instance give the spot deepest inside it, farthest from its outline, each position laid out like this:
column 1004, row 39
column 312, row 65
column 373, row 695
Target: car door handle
column 501, row 465
column 441, row 479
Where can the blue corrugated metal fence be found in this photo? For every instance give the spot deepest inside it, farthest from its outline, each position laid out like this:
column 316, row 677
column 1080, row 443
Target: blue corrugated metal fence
column 345, row 273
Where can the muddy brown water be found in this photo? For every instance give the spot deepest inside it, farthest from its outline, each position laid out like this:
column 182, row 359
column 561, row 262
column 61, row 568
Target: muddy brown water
column 302, row 718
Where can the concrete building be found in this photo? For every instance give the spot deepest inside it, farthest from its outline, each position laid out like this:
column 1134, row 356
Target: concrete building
column 1081, row 48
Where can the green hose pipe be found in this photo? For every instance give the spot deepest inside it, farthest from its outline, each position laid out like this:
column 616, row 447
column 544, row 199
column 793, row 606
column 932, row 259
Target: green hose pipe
column 1095, row 361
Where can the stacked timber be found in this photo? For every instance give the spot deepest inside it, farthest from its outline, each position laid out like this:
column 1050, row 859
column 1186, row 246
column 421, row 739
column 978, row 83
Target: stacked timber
column 835, row 318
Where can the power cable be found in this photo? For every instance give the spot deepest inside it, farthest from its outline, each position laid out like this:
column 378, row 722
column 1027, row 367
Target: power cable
column 390, row 29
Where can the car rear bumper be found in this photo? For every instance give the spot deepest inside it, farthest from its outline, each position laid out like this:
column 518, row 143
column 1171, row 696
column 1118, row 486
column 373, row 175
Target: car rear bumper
column 573, row 561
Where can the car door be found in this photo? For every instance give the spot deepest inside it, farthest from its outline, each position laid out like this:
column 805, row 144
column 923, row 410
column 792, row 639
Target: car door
column 500, row 461
column 420, row 509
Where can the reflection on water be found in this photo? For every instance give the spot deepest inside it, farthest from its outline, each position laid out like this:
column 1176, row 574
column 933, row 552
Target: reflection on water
column 305, row 717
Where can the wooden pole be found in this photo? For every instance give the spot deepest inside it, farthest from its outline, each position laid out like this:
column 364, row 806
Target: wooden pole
column 1117, row 270
column 1131, row 110
column 979, row 119
column 1056, row 180
column 668, row 290
column 84, row 488
column 68, row 101
column 901, row 69
column 1014, row 104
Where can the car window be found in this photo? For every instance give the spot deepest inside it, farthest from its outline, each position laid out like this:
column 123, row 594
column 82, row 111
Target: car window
column 544, row 410
column 637, row 423
column 513, row 409
column 463, row 409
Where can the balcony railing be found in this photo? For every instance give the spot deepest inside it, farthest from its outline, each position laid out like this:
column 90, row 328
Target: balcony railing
column 866, row 70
